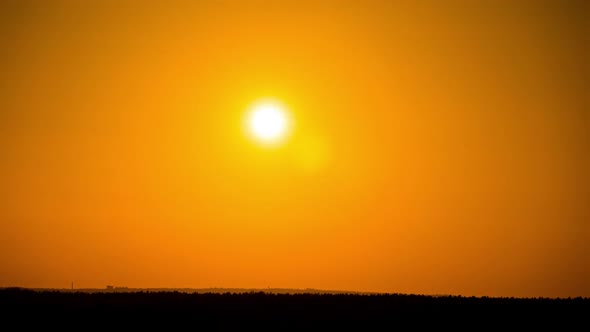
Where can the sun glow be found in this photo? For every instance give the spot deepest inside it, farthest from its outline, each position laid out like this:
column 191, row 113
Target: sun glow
column 268, row 122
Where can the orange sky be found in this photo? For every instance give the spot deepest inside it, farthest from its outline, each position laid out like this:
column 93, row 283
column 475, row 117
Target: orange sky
column 437, row 148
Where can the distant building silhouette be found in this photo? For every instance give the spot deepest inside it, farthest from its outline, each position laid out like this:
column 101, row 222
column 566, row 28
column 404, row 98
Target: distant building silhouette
column 116, row 288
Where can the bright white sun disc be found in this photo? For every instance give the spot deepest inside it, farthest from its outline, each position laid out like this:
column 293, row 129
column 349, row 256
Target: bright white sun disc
column 268, row 121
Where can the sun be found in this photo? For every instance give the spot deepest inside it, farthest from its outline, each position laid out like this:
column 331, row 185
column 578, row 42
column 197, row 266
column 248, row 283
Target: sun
column 268, row 122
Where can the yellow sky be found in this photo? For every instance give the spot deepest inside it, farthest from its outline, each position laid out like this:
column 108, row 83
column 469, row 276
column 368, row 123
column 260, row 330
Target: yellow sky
column 437, row 147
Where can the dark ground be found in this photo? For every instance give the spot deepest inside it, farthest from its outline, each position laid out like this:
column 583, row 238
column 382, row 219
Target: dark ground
column 255, row 311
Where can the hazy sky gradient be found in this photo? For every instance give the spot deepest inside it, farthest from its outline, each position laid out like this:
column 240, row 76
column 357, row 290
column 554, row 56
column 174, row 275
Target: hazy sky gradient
column 439, row 147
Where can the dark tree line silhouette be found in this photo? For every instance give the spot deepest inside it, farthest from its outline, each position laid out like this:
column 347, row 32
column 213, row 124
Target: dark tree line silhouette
column 284, row 311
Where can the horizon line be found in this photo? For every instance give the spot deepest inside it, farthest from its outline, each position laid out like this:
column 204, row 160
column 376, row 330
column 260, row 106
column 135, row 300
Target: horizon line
column 268, row 290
